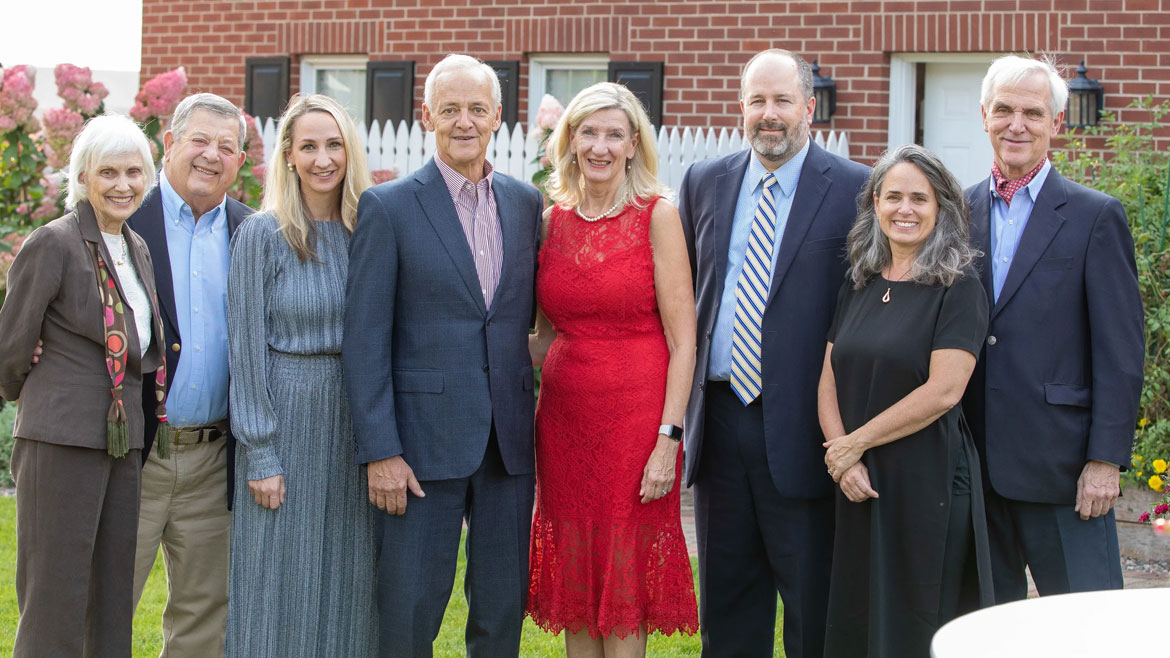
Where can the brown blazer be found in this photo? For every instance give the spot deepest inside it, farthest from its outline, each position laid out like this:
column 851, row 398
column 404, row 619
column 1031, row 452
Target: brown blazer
column 53, row 296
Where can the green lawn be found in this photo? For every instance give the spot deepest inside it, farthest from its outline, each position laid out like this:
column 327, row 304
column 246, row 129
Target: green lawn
column 148, row 636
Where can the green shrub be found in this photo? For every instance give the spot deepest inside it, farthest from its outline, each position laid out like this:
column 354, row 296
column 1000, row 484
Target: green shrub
column 7, row 418
column 1138, row 175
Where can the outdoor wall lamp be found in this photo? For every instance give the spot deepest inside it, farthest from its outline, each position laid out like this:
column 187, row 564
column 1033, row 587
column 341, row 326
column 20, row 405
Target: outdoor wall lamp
column 825, row 91
column 1085, row 100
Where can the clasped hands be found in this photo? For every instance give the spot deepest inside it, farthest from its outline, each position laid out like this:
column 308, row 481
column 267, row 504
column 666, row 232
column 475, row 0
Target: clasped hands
column 843, row 458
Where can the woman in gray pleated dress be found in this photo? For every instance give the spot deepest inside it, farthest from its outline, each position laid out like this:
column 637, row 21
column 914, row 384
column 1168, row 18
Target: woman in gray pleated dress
column 302, row 563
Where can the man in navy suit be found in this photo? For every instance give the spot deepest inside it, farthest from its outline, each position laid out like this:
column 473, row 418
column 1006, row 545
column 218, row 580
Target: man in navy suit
column 438, row 307
column 764, row 506
column 187, row 222
column 1053, row 402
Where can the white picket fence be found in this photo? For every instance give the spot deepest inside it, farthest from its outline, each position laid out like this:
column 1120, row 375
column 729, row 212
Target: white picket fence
column 513, row 151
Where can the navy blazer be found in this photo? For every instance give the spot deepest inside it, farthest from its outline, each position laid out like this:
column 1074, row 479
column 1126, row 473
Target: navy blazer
column 429, row 369
column 148, row 222
column 809, row 271
column 1060, row 377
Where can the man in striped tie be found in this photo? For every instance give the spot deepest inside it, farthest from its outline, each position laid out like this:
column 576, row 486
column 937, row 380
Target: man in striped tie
column 766, row 233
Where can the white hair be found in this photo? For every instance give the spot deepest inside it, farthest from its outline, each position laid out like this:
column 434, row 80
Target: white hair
column 456, row 62
column 102, row 137
column 217, row 105
column 1013, row 69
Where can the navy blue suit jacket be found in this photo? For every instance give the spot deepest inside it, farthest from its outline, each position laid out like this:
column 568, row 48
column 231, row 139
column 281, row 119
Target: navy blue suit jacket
column 428, row 367
column 809, row 271
column 1060, row 377
column 148, row 222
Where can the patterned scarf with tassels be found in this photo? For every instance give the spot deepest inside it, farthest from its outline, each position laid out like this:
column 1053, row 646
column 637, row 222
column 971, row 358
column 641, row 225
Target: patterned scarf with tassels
column 114, row 320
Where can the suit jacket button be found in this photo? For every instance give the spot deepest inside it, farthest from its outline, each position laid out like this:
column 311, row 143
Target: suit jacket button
column 485, row 367
column 175, row 347
column 991, row 340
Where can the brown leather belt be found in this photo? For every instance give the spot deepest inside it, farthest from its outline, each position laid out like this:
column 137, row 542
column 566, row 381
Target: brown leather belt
column 186, row 436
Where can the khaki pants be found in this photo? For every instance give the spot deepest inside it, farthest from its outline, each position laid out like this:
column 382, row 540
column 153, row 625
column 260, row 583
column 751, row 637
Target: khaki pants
column 184, row 508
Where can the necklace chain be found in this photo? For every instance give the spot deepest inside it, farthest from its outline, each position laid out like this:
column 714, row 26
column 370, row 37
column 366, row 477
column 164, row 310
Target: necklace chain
column 599, row 217
column 886, row 297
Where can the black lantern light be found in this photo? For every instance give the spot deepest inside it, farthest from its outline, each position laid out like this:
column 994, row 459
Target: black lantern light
column 1085, row 100
column 825, row 91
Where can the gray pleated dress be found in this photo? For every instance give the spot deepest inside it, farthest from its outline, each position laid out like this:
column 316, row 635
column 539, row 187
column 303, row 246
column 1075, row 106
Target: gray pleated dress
column 302, row 576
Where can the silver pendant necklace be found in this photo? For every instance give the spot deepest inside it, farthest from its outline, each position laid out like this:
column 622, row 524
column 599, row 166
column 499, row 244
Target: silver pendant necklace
column 599, row 217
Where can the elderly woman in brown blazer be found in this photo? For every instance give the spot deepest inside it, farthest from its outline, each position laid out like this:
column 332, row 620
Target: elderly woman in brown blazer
column 84, row 285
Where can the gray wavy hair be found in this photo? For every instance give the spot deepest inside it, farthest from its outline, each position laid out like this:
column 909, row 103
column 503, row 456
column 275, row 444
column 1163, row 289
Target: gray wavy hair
column 946, row 255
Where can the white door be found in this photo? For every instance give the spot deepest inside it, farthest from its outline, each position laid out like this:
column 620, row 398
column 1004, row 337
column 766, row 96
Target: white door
column 952, row 126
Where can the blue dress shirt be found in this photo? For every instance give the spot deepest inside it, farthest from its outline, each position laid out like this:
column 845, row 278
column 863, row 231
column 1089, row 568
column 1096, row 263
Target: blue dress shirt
column 750, row 191
column 199, row 266
column 1008, row 222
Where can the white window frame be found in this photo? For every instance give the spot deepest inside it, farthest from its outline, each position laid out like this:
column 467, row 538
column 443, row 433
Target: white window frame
column 538, row 65
column 310, row 64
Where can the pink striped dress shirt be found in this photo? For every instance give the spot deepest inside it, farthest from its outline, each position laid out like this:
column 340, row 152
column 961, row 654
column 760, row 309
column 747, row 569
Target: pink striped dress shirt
column 475, row 203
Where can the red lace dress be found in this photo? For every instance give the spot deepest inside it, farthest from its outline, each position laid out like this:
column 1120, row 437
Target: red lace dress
column 600, row 559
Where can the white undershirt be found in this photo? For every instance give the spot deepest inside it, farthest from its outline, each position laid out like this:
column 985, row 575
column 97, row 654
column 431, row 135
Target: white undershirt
column 135, row 294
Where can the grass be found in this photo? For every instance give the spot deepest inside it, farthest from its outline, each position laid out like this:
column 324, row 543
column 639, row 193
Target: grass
column 148, row 634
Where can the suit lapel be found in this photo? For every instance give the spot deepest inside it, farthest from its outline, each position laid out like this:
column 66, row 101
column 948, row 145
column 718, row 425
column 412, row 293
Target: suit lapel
column 981, row 232
column 727, row 187
column 149, row 223
column 1043, row 224
column 435, row 199
column 806, row 201
column 509, row 214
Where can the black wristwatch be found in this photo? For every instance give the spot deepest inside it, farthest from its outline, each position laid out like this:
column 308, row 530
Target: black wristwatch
column 672, row 431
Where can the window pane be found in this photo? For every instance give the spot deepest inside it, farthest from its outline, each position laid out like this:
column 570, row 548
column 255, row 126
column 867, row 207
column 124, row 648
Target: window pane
column 346, row 86
column 565, row 83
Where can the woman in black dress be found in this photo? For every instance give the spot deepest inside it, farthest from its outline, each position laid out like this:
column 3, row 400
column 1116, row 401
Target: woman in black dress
column 911, row 543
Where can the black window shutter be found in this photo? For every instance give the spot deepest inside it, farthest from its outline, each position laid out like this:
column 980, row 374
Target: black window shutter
column 390, row 93
column 265, row 86
column 508, row 71
column 645, row 80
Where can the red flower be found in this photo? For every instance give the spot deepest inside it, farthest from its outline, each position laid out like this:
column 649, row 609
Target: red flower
column 1161, row 509
column 1145, row 517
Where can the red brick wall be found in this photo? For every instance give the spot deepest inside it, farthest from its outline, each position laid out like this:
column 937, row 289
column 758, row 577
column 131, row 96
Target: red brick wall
column 1125, row 43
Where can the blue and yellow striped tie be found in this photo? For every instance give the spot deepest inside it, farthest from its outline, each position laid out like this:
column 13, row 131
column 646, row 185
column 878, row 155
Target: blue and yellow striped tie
column 751, row 295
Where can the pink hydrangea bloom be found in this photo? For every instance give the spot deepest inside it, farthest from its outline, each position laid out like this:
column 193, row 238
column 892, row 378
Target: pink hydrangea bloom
column 159, row 95
column 259, row 171
column 62, row 126
column 75, row 84
column 253, row 143
column 16, row 100
column 383, row 175
column 49, row 206
column 549, row 112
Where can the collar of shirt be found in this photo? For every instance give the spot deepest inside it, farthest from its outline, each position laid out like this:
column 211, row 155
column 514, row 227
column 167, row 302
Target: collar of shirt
column 456, row 181
column 1033, row 185
column 178, row 211
column 787, row 175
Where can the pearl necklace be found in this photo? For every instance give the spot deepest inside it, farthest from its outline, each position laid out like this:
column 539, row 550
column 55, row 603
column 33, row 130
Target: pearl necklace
column 599, row 217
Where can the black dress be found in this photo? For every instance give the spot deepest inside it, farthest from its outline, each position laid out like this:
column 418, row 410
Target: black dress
column 900, row 558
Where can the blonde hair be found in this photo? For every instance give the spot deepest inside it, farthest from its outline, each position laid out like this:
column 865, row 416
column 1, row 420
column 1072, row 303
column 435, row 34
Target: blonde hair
column 282, row 188
column 565, row 182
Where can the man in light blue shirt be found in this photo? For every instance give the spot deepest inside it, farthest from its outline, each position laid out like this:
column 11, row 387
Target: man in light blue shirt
column 765, row 231
column 186, row 222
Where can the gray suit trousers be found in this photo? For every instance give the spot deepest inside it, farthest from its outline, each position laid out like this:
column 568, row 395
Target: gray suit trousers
column 76, row 526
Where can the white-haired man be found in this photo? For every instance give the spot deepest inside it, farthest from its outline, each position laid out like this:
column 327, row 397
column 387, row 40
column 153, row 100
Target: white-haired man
column 1054, row 398
column 438, row 306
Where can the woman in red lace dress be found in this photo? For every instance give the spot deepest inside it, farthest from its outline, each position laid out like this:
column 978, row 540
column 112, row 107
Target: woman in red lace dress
column 616, row 336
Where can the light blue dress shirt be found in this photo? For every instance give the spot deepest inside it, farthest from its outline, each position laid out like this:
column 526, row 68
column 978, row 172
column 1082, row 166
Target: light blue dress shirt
column 750, row 191
column 1008, row 222
column 199, row 268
